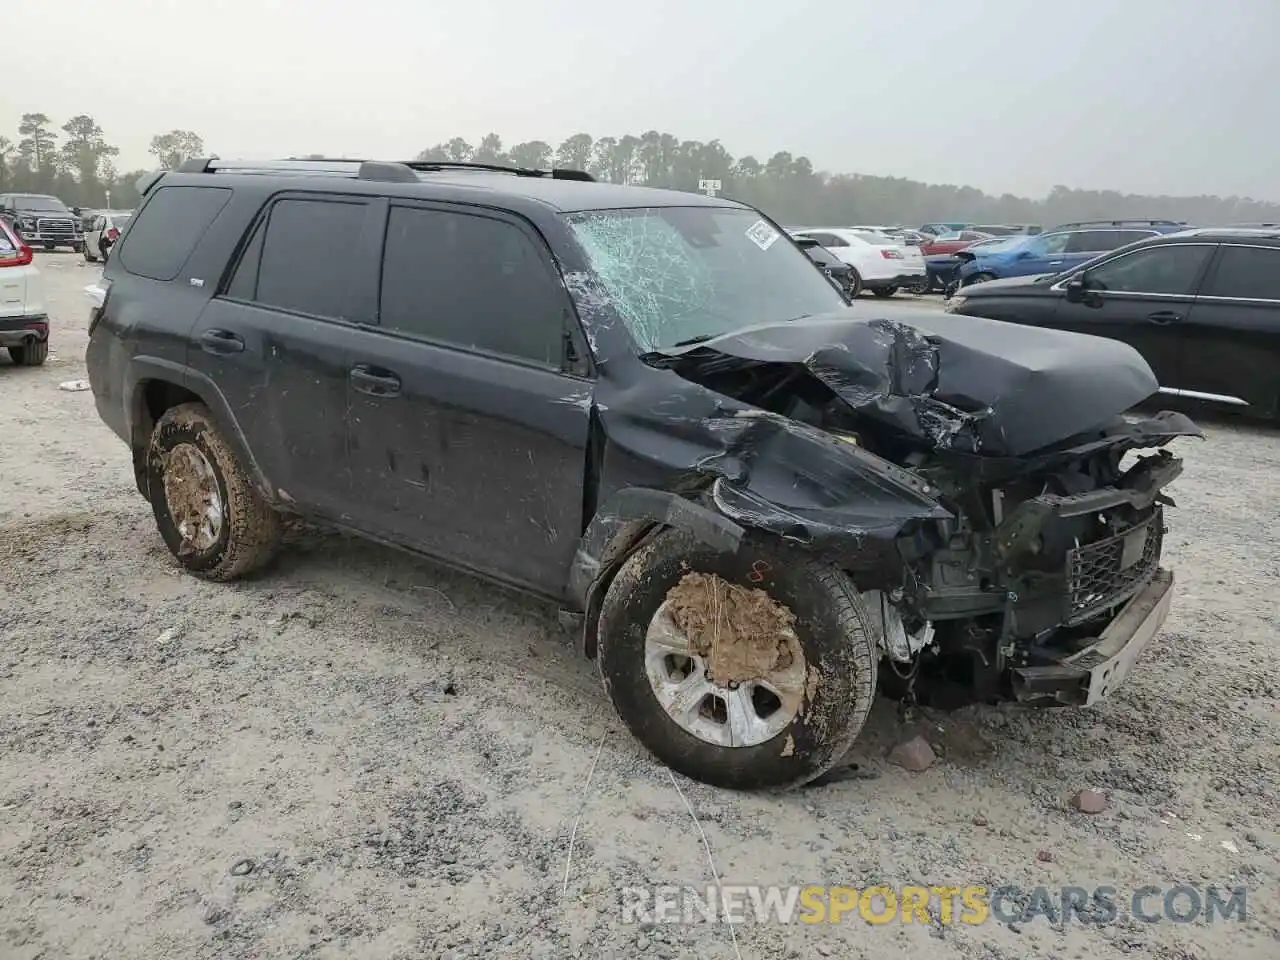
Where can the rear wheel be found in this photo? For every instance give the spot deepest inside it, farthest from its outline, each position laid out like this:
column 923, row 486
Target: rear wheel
column 207, row 511
column 31, row 354
column 746, row 670
column 885, row 292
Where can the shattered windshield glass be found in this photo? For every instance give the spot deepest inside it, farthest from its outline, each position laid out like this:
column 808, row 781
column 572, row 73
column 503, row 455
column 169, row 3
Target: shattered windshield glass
column 676, row 274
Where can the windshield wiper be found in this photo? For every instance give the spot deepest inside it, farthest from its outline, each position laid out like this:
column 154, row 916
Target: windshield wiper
column 700, row 338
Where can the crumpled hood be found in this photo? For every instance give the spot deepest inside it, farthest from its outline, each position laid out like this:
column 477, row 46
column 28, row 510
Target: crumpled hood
column 960, row 383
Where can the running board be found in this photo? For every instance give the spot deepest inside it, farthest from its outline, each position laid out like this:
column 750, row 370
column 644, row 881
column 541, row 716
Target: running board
column 1200, row 395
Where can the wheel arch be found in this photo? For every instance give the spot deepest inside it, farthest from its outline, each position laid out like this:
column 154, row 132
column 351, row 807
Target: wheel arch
column 631, row 517
column 156, row 385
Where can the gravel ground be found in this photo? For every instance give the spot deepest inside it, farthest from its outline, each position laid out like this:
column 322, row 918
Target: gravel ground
column 359, row 754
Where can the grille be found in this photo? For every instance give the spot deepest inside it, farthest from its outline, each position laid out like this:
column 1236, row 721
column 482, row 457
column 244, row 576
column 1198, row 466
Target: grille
column 49, row 227
column 1107, row 572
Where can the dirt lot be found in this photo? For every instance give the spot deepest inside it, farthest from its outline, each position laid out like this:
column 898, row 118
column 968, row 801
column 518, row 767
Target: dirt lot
column 401, row 752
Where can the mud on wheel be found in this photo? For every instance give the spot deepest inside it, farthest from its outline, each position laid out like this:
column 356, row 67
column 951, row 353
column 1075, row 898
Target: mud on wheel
column 208, row 513
column 744, row 671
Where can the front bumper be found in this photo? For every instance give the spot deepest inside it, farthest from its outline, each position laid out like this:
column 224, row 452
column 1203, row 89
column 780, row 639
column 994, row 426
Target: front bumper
column 1094, row 672
column 34, row 238
column 18, row 331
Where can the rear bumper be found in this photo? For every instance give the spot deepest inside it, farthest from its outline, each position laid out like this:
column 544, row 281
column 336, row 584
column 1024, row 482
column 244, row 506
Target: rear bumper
column 17, row 331
column 906, row 279
column 1093, row 673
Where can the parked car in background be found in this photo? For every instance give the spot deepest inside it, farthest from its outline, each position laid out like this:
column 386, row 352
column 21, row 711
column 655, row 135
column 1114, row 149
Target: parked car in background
column 1008, row 229
column 841, row 273
column 880, row 264
column 101, row 231
column 24, row 325
column 952, row 242
column 941, row 268
column 936, row 229
column 42, row 220
column 1201, row 306
column 1047, row 253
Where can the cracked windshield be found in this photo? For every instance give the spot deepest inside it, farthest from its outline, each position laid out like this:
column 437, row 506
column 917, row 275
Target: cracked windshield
column 684, row 274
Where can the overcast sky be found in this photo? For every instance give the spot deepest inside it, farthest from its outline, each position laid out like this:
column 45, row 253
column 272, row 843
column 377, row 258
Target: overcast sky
column 1146, row 96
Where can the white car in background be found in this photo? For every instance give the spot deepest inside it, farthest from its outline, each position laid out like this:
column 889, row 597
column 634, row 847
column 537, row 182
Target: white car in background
column 24, row 325
column 102, row 228
column 880, row 263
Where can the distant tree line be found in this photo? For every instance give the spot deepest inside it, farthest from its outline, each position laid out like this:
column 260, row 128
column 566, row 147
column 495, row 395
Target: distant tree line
column 75, row 162
column 789, row 189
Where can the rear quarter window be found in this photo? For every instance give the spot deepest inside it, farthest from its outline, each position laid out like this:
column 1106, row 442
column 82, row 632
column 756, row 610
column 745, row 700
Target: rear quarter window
column 168, row 229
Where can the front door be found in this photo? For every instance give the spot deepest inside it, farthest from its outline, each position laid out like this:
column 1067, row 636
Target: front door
column 1142, row 298
column 467, row 432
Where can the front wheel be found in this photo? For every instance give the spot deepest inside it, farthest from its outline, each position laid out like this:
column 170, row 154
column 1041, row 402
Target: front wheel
column 207, row 511
column 747, row 670
column 977, row 278
column 885, row 292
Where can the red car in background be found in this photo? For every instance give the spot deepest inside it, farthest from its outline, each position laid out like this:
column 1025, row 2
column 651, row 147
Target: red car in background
column 949, row 243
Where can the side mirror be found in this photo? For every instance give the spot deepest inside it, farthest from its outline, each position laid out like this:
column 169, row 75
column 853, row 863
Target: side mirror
column 1025, row 255
column 1075, row 289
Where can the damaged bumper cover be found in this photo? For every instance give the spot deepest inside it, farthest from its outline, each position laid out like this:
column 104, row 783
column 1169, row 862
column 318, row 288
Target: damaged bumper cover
column 1093, row 672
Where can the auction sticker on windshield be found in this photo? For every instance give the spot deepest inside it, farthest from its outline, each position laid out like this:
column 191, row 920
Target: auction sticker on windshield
column 762, row 235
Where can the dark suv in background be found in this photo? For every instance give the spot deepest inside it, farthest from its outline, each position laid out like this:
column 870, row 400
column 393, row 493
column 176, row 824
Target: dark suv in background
column 651, row 408
column 1201, row 306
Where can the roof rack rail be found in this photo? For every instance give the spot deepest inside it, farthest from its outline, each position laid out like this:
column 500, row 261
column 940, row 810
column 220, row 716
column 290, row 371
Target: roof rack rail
column 1121, row 223
column 394, row 171
column 1257, row 225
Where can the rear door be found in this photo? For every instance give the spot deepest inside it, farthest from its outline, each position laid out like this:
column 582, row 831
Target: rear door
column 277, row 340
column 1231, row 341
column 1143, row 298
column 467, row 418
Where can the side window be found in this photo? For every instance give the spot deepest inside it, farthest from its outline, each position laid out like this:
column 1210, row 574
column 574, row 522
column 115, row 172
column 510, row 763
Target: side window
column 1131, row 236
column 1050, row 244
column 168, row 229
column 305, row 263
column 1171, row 269
column 1251, row 273
column 472, row 281
column 1090, row 241
column 826, row 239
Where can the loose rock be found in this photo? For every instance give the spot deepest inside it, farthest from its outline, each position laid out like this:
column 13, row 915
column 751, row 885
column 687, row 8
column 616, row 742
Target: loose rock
column 914, row 755
column 1089, row 801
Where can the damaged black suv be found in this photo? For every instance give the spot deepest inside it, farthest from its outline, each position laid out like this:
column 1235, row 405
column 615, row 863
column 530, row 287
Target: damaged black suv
column 654, row 409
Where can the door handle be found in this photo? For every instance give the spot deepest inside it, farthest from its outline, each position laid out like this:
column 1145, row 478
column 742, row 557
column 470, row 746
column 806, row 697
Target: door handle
column 1164, row 316
column 221, row 342
column 375, row 384
column 1055, row 263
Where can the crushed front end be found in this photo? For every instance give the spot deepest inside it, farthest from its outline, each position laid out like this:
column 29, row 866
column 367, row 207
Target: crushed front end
column 1002, row 517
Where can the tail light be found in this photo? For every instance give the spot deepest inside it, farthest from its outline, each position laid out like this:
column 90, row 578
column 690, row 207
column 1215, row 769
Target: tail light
column 16, row 258
column 889, row 254
column 113, row 234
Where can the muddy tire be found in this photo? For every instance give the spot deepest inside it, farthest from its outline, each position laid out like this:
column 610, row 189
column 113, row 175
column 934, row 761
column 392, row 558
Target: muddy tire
column 188, row 465
column 31, row 354
column 884, row 292
column 838, row 666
